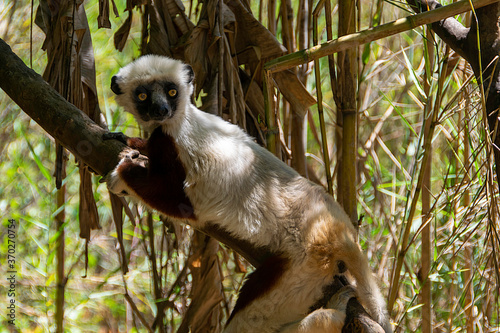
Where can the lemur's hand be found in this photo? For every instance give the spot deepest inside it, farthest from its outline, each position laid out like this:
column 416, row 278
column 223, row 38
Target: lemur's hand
column 129, row 158
column 115, row 136
column 340, row 299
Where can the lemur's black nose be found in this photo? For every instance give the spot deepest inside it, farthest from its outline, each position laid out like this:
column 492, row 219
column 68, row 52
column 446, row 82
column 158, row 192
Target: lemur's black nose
column 160, row 107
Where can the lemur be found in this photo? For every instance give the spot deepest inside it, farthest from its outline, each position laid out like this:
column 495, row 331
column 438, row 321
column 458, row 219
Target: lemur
column 207, row 171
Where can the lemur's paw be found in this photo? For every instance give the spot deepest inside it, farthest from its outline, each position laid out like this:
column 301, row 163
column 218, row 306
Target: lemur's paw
column 119, row 136
column 132, row 156
column 339, row 300
column 114, row 182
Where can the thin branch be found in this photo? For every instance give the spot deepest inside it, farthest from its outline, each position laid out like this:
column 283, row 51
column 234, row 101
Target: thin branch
column 137, row 312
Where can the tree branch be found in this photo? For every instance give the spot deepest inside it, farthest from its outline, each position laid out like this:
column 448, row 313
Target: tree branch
column 449, row 29
column 369, row 35
column 59, row 118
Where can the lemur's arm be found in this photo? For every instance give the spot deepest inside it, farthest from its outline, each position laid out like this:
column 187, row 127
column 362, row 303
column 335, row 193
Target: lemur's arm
column 157, row 180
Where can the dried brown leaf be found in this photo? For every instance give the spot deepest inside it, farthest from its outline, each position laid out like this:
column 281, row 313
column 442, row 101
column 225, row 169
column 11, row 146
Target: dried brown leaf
column 117, row 205
column 294, row 91
column 250, row 32
column 103, row 17
column 88, row 216
column 195, row 53
column 121, row 35
column 204, row 312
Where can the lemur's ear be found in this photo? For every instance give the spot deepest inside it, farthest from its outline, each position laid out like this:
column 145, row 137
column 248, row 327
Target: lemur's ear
column 114, row 85
column 190, row 73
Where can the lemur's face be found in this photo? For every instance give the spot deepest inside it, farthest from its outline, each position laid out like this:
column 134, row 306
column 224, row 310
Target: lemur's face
column 155, row 101
column 154, row 89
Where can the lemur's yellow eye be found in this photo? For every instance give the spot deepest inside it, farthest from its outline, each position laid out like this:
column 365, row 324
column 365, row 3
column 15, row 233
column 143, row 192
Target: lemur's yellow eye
column 172, row 92
column 142, row 96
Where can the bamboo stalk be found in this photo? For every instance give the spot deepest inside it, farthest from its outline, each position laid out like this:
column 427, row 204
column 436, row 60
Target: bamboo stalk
column 271, row 127
column 347, row 114
column 469, row 292
column 425, row 293
column 60, row 217
column 156, row 275
column 271, row 16
column 372, row 34
column 405, row 241
column 319, row 94
column 466, row 201
column 298, row 135
column 403, row 248
column 220, row 69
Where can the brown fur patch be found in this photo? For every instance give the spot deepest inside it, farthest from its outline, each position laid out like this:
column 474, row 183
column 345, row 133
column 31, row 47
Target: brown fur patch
column 138, row 143
column 260, row 282
column 160, row 184
column 328, row 242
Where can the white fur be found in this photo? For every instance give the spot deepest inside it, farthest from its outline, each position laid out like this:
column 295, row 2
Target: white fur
column 151, row 68
column 236, row 184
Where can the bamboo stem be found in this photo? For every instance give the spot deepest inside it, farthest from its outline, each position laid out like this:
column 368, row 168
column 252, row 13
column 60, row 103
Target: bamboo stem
column 319, row 93
column 405, row 241
column 271, row 16
column 156, row 274
column 60, row 217
column 426, row 248
column 409, row 220
column 469, row 292
column 271, row 127
column 347, row 114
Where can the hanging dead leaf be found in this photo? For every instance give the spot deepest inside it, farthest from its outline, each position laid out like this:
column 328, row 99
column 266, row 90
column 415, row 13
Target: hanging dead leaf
column 121, row 36
column 117, row 209
column 195, row 51
column 204, row 311
column 88, row 216
column 103, row 17
column 252, row 33
column 294, row 91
